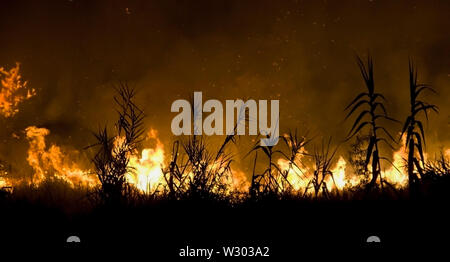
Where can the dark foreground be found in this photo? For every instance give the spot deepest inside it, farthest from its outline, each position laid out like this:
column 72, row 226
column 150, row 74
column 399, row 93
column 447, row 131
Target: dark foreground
column 287, row 228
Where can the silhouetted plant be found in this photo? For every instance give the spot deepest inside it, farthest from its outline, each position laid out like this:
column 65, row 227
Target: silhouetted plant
column 296, row 147
column 175, row 174
column 374, row 110
column 412, row 126
column 437, row 168
column 323, row 160
column 208, row 172
column 199, row 172
column 357, row 157
column 112, row 158
column 267, row 182
column 274, row 180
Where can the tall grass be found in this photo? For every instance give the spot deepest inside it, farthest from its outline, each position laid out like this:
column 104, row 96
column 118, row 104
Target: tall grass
column 274, row 180
column 198, row 171
column 323, row 160
column 372, row 109
column 412, row 127
column 112, row 158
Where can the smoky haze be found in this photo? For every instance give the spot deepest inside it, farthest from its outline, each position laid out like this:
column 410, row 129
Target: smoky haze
column 300, row 52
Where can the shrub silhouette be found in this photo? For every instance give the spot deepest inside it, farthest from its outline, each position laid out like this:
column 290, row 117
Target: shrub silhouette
column 323, row 160
column 112, row 157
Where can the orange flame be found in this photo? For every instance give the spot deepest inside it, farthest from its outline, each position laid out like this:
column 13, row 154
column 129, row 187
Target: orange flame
column 148, row 166
column 3, row 174
column 51, row 162
column 3, row 182
column 340, row 177
column 299, row 177
column 239, row 181
column 12, row 91
column 396, row 174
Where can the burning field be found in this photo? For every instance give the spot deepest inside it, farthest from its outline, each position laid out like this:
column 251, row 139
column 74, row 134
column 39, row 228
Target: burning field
column 193, row 166
column 359, row 114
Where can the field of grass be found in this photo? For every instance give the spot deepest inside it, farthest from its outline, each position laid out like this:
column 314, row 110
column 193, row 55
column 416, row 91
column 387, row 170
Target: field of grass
column 198, row 203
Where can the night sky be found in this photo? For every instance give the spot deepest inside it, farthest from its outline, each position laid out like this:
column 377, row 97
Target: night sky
column 300, row 52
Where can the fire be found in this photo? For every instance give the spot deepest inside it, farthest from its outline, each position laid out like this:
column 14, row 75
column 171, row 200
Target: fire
column 3, row 174
column 239, row 181
column 339, row 175
column 52, row 162
column 298, row 175
column 3, row 182
column 13, row 91
column 148, row 165
column 396, row 174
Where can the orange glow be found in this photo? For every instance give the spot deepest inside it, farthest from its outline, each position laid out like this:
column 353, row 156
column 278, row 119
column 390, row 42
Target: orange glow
column 52, row 162
column 343, row 176
column 148, row 165
column 298, row 175
column 3, row 182
column 13, row 91
column 339, row 175
column 239, row 181
column 396, row 174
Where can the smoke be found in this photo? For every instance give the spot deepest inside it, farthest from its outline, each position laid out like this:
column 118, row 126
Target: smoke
column 300, row 52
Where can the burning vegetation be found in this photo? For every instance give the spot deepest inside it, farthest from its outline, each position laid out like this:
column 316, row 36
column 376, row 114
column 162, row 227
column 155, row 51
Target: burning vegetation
column 52, row 162
column 121, row 167
column 13, row 91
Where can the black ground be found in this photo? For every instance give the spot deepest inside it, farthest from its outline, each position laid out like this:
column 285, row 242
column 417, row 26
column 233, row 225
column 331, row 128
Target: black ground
column 288, row 228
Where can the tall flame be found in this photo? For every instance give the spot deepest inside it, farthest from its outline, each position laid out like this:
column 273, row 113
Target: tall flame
column 148, row 165
column 396, row 174
column 339, row 175
column 13, row 91
column 52, row 162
